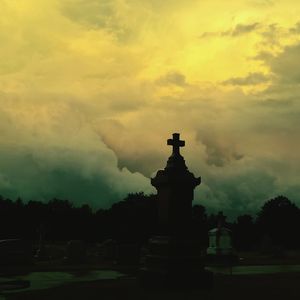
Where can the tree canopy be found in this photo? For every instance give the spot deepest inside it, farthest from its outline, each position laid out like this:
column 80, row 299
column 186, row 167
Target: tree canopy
column 135, row 219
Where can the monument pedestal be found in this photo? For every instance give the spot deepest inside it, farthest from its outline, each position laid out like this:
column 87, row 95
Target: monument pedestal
column 175, row 262
column 175, row 259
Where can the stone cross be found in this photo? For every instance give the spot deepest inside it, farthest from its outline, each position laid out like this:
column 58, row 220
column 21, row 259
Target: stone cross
column 176, row 143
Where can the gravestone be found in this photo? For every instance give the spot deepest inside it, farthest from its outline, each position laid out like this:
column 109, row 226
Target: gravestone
column 220, row 250
column 219, row 241
column 175, row 257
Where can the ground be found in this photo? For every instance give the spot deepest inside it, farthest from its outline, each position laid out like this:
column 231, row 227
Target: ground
column 283, row 286
column 279, row 286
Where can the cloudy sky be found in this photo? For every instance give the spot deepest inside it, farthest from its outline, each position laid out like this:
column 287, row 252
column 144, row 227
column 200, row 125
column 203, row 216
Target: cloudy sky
column 91, row 89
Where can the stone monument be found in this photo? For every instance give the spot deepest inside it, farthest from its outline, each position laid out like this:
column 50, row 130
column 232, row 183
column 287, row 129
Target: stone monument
column 175, row 257
column 220, row 250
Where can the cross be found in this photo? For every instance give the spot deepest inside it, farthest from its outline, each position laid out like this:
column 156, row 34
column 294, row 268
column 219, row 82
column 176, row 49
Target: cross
column 176, row 143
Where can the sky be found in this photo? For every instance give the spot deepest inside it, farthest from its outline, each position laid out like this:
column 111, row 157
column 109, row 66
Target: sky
column 90, row 90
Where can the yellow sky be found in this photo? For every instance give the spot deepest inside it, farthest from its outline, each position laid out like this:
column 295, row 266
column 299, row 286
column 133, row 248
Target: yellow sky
column 73, row 42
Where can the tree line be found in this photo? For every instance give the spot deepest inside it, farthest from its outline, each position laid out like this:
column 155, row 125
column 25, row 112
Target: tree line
column 134, row 219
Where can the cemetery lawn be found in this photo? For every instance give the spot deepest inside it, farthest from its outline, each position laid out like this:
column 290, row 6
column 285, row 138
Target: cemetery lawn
column 275, row 286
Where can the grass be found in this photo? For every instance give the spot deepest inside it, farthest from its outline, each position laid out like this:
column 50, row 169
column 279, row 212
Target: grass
column 275, row 286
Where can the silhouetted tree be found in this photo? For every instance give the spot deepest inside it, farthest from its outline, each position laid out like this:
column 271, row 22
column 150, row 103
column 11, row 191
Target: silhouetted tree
column 279, row 219
column 134, row 218
column 244, row 233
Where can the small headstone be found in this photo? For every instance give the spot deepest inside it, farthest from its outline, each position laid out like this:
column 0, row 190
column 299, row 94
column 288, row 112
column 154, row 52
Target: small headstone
column 220, row 241
column 220, row 250
column 76, row 252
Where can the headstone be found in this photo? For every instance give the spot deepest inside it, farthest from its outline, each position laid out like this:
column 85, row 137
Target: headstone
column 76, row 252
column 15, row 252
column 175, row 257
column 219, row 241
column 220, row 250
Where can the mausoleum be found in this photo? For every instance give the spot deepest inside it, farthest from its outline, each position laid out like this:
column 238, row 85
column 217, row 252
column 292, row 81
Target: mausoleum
column 220, row 249
column 219, row 242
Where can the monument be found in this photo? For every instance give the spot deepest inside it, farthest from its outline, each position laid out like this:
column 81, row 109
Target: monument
column 220, row 250
column 175, row 257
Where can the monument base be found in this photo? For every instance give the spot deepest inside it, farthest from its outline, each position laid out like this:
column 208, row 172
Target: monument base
column 174, row 262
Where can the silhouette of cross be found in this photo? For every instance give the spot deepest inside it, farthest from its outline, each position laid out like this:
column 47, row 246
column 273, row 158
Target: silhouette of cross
column 176, row 143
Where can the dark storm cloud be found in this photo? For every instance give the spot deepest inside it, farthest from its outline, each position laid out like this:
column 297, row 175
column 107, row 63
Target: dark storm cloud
column 238, row 30
column 118, row 104
column 95, row 14
column 220, row 152
column 264, row 56
column 59, row 155
column 250, row 79
column 31, row 175
column 271, row 35
column 287, row 64
column 244, row 28
column 295, row 29
column 243, row 192
column 275, row 103
column 26, row 177
column 172, row 78
column 90, row 12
